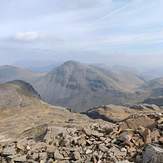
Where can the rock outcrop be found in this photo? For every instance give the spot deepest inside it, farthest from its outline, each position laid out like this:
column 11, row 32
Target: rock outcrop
column 117, row 113
column 140, row 141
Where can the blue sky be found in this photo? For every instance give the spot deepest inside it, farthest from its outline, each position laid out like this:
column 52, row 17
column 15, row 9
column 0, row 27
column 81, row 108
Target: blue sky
column 93, row 30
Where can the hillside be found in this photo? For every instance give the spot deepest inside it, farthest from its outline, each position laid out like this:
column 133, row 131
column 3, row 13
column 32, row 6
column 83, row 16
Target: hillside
column 17, row 94
column 154, row 91
column 127, row 76
column 21, row 106
column 9, row 73
column 39, row 132
column 82, row 86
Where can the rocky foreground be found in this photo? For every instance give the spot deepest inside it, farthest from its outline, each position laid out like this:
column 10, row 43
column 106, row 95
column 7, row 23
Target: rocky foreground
column 138, row 138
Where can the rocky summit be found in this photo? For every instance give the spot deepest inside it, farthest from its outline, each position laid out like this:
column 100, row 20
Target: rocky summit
column 97, row 142
column 138, row 138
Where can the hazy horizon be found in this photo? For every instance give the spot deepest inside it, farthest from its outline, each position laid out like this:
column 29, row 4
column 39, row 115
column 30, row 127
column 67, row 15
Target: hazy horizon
column 116, row 32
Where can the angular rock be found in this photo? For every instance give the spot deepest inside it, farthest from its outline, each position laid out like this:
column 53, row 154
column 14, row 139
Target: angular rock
column 97, row 134
column 43, row 156
column 153, row 154
column 137, row 121
column 57, row 155
column 20, row 159
column 88, row 151
column 117, row 152
column 147, row 136
column 161, row 140
column 9, row 150
column 76, row 155
column 103, row 148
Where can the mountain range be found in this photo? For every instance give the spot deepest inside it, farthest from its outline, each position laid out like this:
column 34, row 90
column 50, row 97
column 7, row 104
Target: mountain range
column 81, row 86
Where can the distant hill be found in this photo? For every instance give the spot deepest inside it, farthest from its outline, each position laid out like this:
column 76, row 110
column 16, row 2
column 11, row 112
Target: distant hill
column 17, row 94
column 154, row 90
column 153, row 87
column 9, row 73
column 154, row 100
column 82, row 86
column 154, row 73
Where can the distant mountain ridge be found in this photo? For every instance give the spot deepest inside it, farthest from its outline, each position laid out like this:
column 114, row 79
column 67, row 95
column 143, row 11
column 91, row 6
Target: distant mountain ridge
column 9, row 73
column 81, row 86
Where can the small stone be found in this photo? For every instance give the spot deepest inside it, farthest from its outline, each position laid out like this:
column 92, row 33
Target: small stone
column 160, row 126
column 20, row 159
column 50, row 151
column 21, row 145
column 88, row 142
column 82, row 142
column 43, row 156
column 161, row 140
column 35, row 156
column 9, row 150
column 97, row 134
column 147, row 136
column 58, row 156
column 50, row 160
column 102, row 138
column 103, row 148
column 155, row 135
column 160, row 120
column 87, row 131
column 76, row 155
column 125, row 137
column 123, row 150
column 88, row 151
column 117, row 152
column 28, row 147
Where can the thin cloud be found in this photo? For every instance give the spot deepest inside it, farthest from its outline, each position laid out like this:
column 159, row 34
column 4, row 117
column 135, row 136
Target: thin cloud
column 28, row 36
column 104, row 26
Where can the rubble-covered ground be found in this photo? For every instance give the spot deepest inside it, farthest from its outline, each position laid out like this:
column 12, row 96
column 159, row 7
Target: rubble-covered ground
column 137, row 138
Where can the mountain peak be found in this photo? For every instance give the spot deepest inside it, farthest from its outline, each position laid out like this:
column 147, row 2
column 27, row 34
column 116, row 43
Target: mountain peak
column 72, row 63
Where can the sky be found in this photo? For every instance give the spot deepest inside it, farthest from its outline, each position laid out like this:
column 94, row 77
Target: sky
column 111, row 31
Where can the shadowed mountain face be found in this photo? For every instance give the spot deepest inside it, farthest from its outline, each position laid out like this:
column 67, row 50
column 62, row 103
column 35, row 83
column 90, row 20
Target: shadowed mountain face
column 82, row 86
